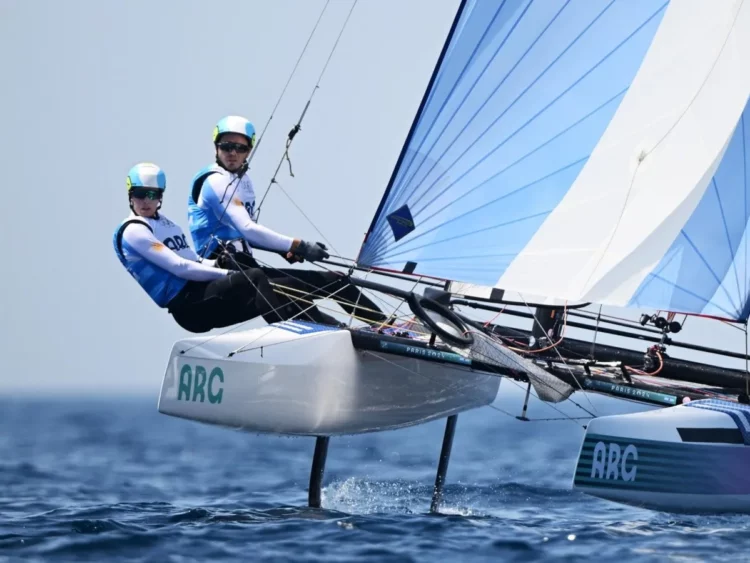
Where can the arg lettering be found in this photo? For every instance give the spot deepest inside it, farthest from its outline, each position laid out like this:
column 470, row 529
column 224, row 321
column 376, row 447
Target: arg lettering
column 176, row 243
column 198, row 386
column 612, row 462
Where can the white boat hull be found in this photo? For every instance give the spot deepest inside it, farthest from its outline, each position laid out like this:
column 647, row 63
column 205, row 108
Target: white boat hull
column 692, row 459
column 297, row 378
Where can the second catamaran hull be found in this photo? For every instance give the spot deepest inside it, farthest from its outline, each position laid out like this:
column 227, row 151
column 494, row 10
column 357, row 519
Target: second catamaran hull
column 298, row 378
column 688, row 458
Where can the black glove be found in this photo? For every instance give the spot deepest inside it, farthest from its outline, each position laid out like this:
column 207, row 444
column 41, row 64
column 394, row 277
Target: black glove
column 226, row 259
column 292, row 258
column 309, row 251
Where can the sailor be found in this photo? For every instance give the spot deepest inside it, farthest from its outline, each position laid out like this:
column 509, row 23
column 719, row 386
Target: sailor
column 199, row 295
column 223, row 225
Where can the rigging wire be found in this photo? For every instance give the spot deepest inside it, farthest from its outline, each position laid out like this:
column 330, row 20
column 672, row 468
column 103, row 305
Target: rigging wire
column 324, row 267
column 521, row 369
column 572, row 418
column 561, row 356
column 285, row 289
column 330, row 244
column 298, row 126
column 244, row 347
column 265, row 128
column 312, row 304
column 299, row 299
column 734, row 325
column 286, row 156
column 291, row 75
column 294, row 131
column 272, row 308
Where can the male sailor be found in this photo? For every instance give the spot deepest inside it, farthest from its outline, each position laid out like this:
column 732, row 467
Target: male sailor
column 199, row 295
column 221, row 215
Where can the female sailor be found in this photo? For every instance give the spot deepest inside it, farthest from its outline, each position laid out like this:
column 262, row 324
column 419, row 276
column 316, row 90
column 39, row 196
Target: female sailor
column 199, row 295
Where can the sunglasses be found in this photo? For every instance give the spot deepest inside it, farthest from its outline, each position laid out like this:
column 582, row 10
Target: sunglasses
column 238, row 147
column 145, row 194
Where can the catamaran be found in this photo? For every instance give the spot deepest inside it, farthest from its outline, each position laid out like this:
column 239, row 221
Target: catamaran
column 574, row 154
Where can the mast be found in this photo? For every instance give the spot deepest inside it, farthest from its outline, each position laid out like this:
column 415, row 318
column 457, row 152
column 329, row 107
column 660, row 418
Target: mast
column 546, row 327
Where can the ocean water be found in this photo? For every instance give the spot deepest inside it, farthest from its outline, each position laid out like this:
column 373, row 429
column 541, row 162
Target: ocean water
column 113, row 480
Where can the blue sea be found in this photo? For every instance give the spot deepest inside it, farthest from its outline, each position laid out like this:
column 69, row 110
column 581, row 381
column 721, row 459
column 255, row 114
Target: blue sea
column 113, row 480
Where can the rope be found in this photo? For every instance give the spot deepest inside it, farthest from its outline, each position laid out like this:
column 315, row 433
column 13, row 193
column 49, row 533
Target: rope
column 641, row 372
column 563, row 359
column 521, row 369
column 492, row 320
column 294, row 70
column 298, row 126
column 330, row 245
column 285, row 289
column 339, row 300
column 376, row 296
column 244, row 348
column 263, row 132
column 571, row 418
column 272, row 308
column 295, row 299
column 303, row 311
column 551, row 346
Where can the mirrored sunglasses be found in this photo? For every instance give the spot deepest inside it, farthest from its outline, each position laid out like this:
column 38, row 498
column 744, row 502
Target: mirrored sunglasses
column 238, row 147
column 145, row 193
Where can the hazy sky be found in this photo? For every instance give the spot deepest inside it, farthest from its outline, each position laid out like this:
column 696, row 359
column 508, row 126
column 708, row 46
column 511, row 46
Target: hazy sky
column 91, row 88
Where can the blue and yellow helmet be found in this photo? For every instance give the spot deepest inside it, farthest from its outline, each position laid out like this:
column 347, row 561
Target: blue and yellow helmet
column 146, row 175
column 235, row 124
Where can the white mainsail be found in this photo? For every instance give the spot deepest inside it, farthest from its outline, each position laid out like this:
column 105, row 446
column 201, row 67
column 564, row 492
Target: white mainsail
column 651, row 167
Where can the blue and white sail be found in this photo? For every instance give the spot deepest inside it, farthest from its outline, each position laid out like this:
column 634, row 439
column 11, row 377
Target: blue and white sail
column 706, row 268
column 564, row 149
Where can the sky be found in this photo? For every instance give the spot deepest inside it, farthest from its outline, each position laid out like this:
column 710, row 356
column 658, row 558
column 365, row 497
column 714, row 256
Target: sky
column 90, row 88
